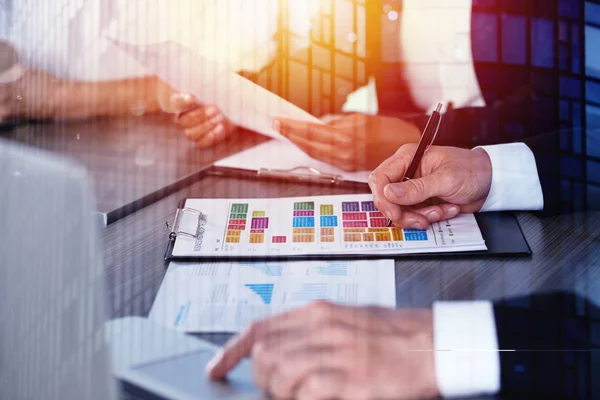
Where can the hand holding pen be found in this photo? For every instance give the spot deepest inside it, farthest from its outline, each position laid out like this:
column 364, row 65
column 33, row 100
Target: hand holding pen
column 442, row 182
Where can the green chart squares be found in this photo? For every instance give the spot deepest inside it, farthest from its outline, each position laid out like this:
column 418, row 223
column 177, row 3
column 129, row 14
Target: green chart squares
column 306, row 205
column 239, row 208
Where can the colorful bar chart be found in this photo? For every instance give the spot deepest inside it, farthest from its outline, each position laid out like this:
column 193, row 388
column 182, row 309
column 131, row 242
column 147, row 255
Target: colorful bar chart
column 236, row 223
column 303, row 222
column 356, row 221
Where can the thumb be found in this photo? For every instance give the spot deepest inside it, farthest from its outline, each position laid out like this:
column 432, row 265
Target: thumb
column 181, row 102
column 415, row 191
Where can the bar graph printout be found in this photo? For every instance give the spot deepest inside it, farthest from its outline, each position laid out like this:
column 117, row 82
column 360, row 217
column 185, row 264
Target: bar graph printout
column 347, row 224
column 227, row 297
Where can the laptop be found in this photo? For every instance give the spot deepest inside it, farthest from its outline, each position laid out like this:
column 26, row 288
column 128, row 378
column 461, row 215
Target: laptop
column 55, row 340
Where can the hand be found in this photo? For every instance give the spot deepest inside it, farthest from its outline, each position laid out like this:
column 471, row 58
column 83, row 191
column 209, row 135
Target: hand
column 449, row 181
column 205, row 125
column 324, row 351
column 356, row 142
column 29, row 94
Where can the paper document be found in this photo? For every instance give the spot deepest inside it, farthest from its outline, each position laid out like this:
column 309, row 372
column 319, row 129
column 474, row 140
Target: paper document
column 279, row 155
column 227, row 297
column 243, row 102
column 322, row 225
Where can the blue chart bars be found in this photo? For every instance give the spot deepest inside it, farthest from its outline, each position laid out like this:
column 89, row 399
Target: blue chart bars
column 311, row 291
column 263, row 290
column 333, row 269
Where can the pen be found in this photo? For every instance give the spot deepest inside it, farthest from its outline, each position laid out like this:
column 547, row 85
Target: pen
column 431, row 130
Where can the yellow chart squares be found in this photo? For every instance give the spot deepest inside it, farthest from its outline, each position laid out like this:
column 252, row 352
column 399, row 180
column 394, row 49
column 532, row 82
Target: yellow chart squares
column 327, row 209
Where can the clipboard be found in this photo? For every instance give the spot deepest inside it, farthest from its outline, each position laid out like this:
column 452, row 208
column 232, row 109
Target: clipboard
column 501, row 231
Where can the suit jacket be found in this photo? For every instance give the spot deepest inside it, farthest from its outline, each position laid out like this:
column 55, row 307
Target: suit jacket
column 528, row 61
column 557, row 341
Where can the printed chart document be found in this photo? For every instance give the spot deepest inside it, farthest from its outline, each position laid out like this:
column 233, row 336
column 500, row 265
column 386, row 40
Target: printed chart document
column 227, row 297
column 244, row 103
column 323, row 225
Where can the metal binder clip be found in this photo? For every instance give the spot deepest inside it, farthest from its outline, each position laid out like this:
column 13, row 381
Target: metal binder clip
column 175, row 231
column 311, row 174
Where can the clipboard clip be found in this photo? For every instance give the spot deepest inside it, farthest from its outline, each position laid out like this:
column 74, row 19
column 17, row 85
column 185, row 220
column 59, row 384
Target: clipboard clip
column 176, row 231
column 300, row 173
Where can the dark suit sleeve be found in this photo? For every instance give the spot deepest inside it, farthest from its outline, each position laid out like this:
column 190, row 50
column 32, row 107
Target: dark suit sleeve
column 554, row 354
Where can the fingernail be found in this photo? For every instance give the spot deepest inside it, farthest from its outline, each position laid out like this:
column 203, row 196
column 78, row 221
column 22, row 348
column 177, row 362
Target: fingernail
column 417, row 226
column 397, row 190
column 211, row 110
column 453, row 212
column 276, row 125
column 182, row 97
column 219, row 130
column 433, row 216
column 214, row 361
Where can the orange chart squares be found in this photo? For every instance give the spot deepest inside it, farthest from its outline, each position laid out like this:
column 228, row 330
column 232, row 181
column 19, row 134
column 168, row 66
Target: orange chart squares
column 257, row 238
column 327, row 231
column 352, row 237
column 397, row 234
column 303, row 238
column 232, row 239
column 383, row 237
column 368, row 237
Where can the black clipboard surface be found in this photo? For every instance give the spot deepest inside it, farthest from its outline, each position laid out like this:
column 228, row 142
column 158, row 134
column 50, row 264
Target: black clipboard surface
column 501, row 231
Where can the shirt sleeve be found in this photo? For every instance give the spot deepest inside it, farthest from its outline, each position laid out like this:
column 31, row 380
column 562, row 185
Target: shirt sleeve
column 515, row 181
column 466, row 348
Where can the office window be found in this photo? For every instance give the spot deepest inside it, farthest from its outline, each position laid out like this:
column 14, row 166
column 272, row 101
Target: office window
column 487, row 40
column 592, row 12
column 542, row 42
column 570, row 87
column 592, row 92
column 592, row 55
column 569, row 9
column 514, row 39
column 593, row 169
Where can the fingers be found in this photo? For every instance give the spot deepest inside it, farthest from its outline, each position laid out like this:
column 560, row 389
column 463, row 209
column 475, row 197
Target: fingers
column 321, row 142
column 419, row 190
column 197, row 115
column 204, row 125
column 181, row 102
column 391, row 170
column 421, row 218
column 315, row 315
column 323, row 384
column 328, row 134
column 295, row 372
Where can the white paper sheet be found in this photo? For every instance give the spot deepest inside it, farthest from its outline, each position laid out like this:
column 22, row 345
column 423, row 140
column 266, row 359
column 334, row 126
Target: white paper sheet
column 319, row 225
column 245, row 103
column 227, row 297
column 279, row 155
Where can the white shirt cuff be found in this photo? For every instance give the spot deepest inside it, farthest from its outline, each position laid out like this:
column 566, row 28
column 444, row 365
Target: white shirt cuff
column 467, row 361
column 515, row 181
